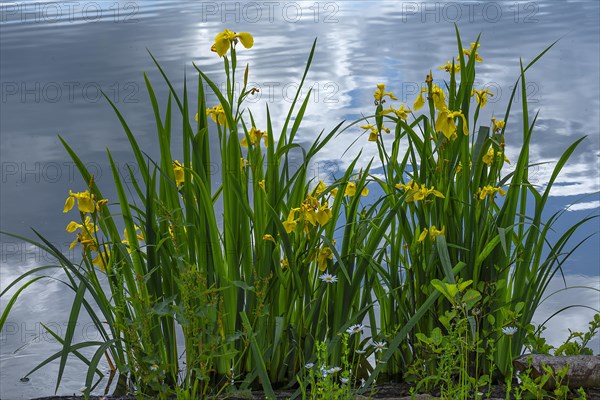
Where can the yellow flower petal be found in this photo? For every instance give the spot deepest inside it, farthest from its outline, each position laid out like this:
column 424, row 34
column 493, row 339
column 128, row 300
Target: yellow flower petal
column 72, row 227
column 221, row 47
column 178, row 172
column 419, row 102
column 320, row 187
column 323, row 215
column 246, row 39
column 289, row 226
column 100, row 204
column 290, row 223
column 325, row 254
column 439, row 97
column 101, row 260
column 437, row 194
column 350, row 189
column 85, row 202
column 69, row 204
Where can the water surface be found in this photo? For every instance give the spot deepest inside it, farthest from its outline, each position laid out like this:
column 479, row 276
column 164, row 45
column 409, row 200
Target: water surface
column 54, row 58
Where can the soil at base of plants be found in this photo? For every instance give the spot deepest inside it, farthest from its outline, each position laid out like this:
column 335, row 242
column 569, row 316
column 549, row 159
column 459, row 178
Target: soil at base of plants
column 390, row 391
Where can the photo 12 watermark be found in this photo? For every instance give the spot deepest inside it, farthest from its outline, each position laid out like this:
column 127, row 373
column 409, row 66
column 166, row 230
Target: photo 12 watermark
column 469, row 11
column 326, row 92
column 20, row 333
column 55, row 12
column 54, row 172
column 495, row 92
column 19, row 252
column 254, row 12
column 68, row 92
column 28, row 172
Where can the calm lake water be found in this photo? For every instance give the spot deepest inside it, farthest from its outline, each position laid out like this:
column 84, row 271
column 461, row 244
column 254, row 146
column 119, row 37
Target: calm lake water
column 57, row 56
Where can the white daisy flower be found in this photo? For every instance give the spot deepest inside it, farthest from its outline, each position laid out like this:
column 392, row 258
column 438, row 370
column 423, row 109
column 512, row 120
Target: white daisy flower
column 328, row 278
column 344, row 380
column 509, row 330
column 355, row 329
column 334, row 370
column 379, row 346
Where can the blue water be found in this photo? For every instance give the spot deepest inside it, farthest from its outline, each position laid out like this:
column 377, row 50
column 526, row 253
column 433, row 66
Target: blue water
column 56, row 56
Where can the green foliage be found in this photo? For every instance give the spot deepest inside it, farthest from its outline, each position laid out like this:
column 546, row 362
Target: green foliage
column 447, row 187
column 575, row 344
column 247, row 265
column 573, row 347
column 457, row 340
column 321, row 380
column 534, row 387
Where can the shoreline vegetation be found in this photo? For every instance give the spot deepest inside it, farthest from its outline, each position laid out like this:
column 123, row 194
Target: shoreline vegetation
column 427, row 272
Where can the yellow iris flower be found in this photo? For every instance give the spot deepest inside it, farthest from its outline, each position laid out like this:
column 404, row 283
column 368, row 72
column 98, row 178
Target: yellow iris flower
column 85, row 236
column 290, row 223
column 380, row 94
column 224, row 40
column 178, row 171
column 416, row 192
column 85, row 202
column 255, row 136
column 217, row 114
column 266, row 236
column 488, row 158
column 401, row 113
column 488, row 190
column 459, row 167
column 481, row 96
column 315, row 213
column 445, row 123
column 351, row 190
column 472, row 51
column 374, row 133
column 432, row 232
column 438, row 96
column 138, row 232
column 311, row 212
column 325, row 254
column 448, row 67
column 497, row 125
